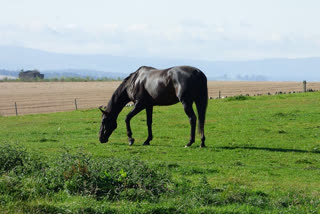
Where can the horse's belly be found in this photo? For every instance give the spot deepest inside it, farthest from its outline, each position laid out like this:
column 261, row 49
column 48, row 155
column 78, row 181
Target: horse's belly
column 166, row 100
column 165, row 97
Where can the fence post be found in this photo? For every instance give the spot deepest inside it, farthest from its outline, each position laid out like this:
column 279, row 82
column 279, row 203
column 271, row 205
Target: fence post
column 75, row 104
column 304, row 86
column 219, row 94
column 15, row 105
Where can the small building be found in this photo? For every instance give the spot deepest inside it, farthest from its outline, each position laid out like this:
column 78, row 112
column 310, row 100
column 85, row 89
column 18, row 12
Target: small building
column 30, row 75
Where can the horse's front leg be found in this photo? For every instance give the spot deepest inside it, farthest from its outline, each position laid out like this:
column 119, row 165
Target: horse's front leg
column 136, row 109
column 149, row 110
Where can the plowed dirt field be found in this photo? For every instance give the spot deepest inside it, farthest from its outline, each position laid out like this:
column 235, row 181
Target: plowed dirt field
column 44, row 97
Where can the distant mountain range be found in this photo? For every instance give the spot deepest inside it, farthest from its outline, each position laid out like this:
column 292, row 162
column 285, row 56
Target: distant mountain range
column 82, row 73
column 13, row 59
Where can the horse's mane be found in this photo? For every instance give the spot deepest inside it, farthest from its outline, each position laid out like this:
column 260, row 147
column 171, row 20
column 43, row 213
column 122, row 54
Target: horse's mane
column 130, row 80
column 122, row 86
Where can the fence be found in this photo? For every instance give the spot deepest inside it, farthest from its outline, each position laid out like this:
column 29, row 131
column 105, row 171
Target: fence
column 16, row 107
column 22, row 108
column 58, row 103
column 304, row 89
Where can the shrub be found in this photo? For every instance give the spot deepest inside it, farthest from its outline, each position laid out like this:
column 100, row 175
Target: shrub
column 112, row 178
column 27, row 176
column 16, row 158
column 238, row 98
column 11, row 157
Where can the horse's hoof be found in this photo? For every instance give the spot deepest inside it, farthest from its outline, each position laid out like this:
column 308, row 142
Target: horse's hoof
column 188, row 145
column 146, row 144
column 131, row 141
column 202, row 146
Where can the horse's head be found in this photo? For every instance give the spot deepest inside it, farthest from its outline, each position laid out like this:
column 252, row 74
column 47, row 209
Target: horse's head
column 108, row 125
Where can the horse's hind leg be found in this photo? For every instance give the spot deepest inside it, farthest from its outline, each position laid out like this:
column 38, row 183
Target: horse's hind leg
column 149, row 110
column 201, row 107
column 193, row 119
column 203, row 138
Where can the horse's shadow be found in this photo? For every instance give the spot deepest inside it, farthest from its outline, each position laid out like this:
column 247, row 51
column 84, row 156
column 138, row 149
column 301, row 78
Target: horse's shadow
column 267, row 149
column 140, row 145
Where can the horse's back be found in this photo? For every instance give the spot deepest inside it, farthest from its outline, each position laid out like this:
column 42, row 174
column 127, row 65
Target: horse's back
column 178, row 74
column 171, row 85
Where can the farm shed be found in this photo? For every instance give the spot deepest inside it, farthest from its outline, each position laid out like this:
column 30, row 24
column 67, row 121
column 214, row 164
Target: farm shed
column 32, row 74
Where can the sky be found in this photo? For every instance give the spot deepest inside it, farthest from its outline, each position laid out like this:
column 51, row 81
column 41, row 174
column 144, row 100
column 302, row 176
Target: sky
column 186, row 29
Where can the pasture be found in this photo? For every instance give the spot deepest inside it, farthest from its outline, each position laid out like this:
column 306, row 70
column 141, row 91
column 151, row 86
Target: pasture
column 262, row 156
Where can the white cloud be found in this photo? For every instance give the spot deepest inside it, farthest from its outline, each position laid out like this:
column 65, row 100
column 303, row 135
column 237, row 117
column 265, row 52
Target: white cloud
column 189, row 39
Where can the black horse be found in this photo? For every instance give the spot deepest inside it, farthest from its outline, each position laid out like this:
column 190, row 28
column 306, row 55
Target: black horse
column 148, row 87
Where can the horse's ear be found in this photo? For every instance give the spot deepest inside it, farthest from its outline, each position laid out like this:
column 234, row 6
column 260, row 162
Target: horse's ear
column 102, row 110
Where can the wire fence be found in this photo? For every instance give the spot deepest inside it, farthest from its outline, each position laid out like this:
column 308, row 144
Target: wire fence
column 32, row 105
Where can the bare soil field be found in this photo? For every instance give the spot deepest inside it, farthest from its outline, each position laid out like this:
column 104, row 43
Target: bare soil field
column 45, row 97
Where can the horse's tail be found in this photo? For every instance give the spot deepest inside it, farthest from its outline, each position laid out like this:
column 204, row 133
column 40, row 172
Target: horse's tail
column 202, row 103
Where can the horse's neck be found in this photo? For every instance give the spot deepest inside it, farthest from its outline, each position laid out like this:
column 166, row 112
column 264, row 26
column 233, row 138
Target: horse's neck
column 117, row 102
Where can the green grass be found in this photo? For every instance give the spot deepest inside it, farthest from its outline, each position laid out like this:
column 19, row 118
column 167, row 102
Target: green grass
column 262, row 155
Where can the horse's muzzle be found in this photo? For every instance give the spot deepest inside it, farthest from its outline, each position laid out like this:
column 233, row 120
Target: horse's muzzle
column 103, row 140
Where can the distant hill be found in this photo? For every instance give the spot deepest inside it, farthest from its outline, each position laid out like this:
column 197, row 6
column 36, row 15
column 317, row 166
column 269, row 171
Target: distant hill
column 66, row 73
column 4, row 72
column 83, row 73
column 82, row 65
column 6, row 77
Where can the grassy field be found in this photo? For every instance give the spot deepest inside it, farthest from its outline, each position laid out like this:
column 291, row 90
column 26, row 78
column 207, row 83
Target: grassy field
column 262, row 156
